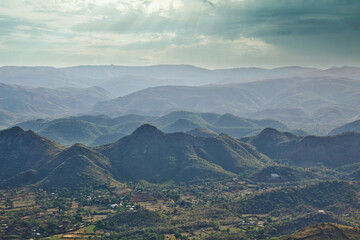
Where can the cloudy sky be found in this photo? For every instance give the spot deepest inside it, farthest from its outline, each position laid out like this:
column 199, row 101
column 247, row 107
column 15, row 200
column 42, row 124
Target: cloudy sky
column 206, row 33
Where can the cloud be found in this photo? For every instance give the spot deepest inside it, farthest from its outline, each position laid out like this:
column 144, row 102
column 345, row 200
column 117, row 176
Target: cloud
column 237, row 32
column 230, row 19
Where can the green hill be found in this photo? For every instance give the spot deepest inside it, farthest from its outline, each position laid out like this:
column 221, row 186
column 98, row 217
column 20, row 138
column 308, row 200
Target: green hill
column 152, row 155
column 155, row 156
column 89, row 130
column 146, row 154
column 23, row 151
column 330, row 151
column 268, row 140
column 77, row 167
column 27, row 158
column 78, row 171
column 69, row 131
column 315, row 196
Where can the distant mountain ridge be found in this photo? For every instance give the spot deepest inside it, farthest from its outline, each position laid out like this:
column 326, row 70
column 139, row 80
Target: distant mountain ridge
column 308, row 103
column 98, row 130
column 90, row 75
column 305, row 98
column 18, row 103
column 353, row 126
column 122, row 80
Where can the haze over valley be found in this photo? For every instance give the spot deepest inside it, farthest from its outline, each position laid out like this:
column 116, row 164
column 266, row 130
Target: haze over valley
column 311, row 100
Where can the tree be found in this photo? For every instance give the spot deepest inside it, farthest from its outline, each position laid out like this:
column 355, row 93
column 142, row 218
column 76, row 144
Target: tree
column 9, row 203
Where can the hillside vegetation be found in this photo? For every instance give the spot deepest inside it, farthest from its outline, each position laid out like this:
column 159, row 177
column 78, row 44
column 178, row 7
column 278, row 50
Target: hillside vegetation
column 329, row 151
column 325, row 231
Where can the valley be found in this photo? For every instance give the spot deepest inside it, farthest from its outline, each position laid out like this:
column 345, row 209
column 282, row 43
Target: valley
column 247, row 158
column 180, row 120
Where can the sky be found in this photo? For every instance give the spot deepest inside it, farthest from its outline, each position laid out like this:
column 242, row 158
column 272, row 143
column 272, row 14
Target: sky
column 205, row 33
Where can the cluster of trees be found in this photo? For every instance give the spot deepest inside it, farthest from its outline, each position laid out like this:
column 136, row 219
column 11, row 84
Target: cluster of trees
column 9, row 203
column 317, row 195
column 138, row 218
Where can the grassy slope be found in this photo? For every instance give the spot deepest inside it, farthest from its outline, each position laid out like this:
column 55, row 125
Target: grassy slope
column 325, row 231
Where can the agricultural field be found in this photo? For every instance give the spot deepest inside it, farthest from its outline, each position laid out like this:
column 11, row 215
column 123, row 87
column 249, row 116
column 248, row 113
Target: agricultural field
column 203, row 210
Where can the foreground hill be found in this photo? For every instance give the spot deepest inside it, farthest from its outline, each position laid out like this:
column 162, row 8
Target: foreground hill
column 329, row 151
column 22, row 151
column 147, row 154
column 79, row 167
column 353, row 126
column 157, row 157
column 27, row 158
column 152, row 155
column 321, row 102
column 99, row 130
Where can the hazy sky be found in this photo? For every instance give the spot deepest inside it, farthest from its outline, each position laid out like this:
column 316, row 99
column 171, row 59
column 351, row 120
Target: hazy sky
column 207, row 33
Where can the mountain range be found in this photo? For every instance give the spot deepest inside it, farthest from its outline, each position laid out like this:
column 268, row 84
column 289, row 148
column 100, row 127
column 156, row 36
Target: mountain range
column 152, row 155
column 18, row 103
column 122, row 80
column 314, row 104
column 310, row 99
column 309, row 151
column 98, row 130
column 146, row 154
